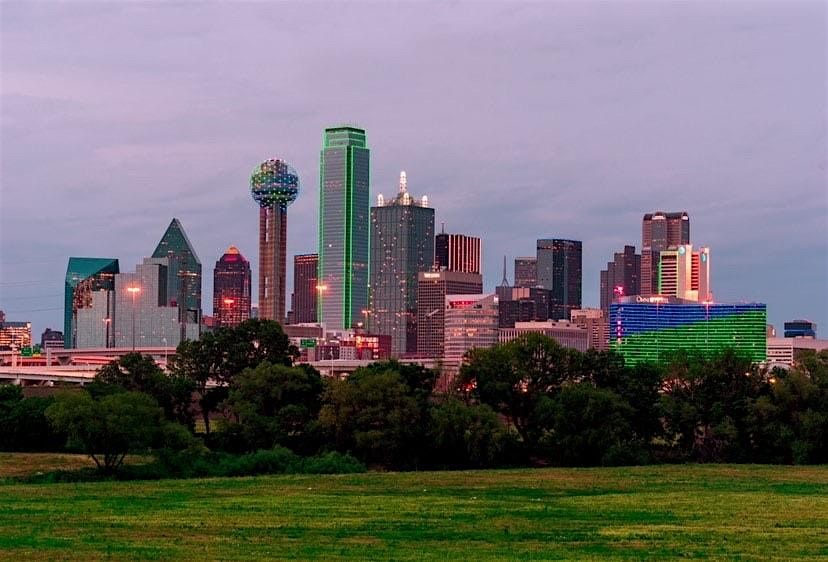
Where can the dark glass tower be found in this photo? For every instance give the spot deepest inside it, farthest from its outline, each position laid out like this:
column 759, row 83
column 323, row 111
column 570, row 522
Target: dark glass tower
column 526, row 272
column 274, row 185
column 559, row 270
column 343, row 227
column 231, row 288
column 402, row 245
column 621, row 277
column 304, row 287
column 183, row 274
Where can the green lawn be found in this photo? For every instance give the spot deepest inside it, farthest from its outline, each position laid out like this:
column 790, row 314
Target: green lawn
column 725, row 512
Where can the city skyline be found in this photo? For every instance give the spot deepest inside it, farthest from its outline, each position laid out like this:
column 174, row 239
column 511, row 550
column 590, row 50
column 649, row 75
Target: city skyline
column 744, row 166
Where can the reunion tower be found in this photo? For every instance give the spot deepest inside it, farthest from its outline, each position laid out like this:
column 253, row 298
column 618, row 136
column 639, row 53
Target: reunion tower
column 274, row 185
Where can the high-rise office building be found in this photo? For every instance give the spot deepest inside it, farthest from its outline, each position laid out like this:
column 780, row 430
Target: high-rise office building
column 471, row 322
column 800, row 329
column 343, row 227
column 402, row 245
column 84, row 278
column 15, row 335
column 52, row 339
column 432, row 288
column 594, row 321
column 183, row 275
column 621, row 277
column 523, row 304
column 457, row 252
column 684, row 273
column 559, row 270
column 652, row 331
column 274, row 185
column 526, row 272
column 305, row 267
column 143, row 315
column 659, row 231
column 231, row 288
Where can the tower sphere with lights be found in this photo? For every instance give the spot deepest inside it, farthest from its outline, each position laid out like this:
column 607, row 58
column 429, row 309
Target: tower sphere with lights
column 274, row 182
column 274, row 185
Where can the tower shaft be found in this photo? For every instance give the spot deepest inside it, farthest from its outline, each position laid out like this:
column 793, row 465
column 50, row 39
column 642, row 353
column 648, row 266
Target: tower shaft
column 272, row 256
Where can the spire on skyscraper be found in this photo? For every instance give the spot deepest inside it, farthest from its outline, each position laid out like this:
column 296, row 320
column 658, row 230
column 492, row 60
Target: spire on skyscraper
column 505, row 282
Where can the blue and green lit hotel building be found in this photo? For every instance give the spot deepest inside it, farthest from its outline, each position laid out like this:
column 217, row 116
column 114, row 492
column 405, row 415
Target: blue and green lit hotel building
column 344, row 225
column 651, row 328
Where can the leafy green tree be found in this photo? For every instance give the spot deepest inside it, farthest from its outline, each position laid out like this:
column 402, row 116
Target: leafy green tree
column 512, row 377
column 587, row 426
column 24, row 423
column 212, row 361
column 139, row 373
column 706, row 403
column 110, row 428
column 463, row 435
column 376, row 416
column 277, row 405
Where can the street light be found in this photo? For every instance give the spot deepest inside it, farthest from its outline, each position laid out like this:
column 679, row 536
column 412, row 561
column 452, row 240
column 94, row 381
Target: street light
column 107, row 321
column 133, row 291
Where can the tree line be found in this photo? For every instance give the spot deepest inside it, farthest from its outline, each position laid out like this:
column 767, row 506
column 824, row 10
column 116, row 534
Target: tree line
column 235, row 397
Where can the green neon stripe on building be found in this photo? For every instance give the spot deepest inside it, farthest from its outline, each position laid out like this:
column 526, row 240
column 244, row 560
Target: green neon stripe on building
column 349, row 237
column 320, row 238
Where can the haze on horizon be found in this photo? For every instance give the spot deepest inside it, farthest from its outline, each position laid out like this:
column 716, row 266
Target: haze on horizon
column 519, row 121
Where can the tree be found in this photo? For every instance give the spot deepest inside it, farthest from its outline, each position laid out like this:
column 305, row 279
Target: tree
column 140, row 373
column 212, row 361
column 463, row 435
column 110, row 428
column 24, row 423
column 375, row 416
column 277, row 405
column 587, row 426
column 706, row 403
column 512, row 377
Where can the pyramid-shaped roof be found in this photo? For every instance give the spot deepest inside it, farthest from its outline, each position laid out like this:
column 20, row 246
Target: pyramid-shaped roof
column 175, row 241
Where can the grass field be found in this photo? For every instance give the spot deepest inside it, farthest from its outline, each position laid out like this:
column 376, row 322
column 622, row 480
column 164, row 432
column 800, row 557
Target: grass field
column 725, row 512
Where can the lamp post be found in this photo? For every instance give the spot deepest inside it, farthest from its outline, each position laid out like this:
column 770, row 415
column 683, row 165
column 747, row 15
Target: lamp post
column 107, row 322
column 133, row 291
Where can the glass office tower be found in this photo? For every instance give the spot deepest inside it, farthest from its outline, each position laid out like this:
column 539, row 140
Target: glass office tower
column 343, row 227
column 559, row 270
column 84, row 278
column 183, row 275
column 231, row 288
column 402, row 245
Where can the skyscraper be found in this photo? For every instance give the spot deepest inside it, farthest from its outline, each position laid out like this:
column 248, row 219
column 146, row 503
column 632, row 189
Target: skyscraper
column 559, row 270
column 471, row 322
column 343, row 227
column 144, row 316
column 231, row 288
column 84, row 278
column 457, row 252
column 621, row 277
column 432, row 288
column 526, row 272
column 402, row 245
column 183, row 274
column 684, row 273
column 304, row 287
column 659, row 231
column 274, row 185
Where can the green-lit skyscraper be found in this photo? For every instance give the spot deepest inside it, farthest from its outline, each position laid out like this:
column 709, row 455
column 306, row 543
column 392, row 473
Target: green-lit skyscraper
column 343, row 227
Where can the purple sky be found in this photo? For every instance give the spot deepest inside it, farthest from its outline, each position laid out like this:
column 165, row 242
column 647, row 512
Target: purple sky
column 521, row 121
